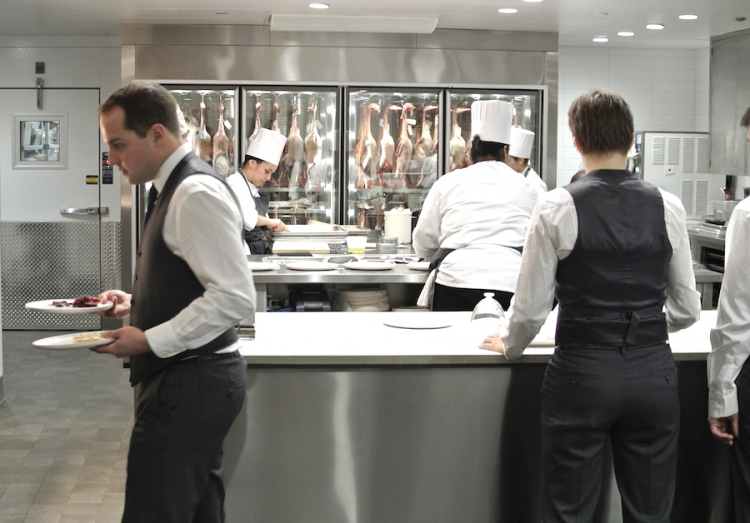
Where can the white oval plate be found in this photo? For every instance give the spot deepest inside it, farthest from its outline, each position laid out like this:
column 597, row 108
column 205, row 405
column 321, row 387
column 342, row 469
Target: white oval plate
column 263, row 266
column 312, row 266
column 417, row 321
column 419, row 266
column 81, row 340
column 46, row 306
column 369, row 266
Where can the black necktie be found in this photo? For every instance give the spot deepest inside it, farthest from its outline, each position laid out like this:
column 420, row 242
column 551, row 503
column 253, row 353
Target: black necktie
column 153, row 194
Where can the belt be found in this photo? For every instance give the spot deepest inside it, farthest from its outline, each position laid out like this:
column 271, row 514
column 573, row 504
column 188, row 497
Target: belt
column 213, row 356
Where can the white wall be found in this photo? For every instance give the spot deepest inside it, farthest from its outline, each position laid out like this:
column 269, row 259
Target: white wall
column 666, row 89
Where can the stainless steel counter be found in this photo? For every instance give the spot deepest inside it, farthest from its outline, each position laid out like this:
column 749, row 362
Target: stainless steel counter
column 348, row 420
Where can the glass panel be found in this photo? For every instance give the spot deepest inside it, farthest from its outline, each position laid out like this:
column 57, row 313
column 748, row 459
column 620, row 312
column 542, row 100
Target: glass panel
column 39, row 141
column 207, row 121
column 304, row 188
column 527, row 116
column 392, row 152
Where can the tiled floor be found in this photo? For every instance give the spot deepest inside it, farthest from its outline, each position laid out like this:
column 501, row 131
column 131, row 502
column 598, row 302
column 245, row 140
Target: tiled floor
column 64, row 432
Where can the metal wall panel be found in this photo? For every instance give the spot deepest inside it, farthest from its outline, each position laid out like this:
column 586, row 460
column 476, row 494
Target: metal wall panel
column 321, row 39
column 488, row 40
column 46, row 260
column 338, row 65
column 723, row 110
column 194, row 34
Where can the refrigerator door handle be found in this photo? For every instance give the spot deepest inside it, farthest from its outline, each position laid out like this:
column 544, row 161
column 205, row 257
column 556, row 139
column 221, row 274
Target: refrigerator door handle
column 86, row 211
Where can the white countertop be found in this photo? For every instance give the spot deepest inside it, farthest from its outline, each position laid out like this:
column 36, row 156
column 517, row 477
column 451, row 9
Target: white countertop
column 362, row 338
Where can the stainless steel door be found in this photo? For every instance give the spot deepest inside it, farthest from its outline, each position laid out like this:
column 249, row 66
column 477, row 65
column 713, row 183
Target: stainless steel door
column 50, row 206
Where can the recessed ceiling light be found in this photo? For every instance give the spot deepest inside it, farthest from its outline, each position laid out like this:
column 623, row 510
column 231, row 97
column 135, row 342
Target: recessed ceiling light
column 688, row 17
column 626, row 33
column 532, row 0
column 316, row 5
column 655, row 27
column 507, row 10
column 601, row 39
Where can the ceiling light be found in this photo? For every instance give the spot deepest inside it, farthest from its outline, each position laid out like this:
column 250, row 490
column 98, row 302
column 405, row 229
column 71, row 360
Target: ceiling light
column 655, row 27
column 316, row 5
column 601, row 39
column 361, row 24
column 688, row 17
column 626, row 33
column 532, row 0
column 507, row 10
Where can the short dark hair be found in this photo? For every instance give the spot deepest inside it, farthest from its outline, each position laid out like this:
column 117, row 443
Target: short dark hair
column 481, row 149
column 745, row 122
column 248, row 158
column 144, row 104
column 601, row 122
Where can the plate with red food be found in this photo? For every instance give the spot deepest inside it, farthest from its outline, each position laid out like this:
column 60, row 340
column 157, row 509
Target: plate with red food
column 81, row 305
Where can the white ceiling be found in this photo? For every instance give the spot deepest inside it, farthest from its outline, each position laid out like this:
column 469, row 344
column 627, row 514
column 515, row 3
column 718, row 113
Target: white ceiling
column 576, row 21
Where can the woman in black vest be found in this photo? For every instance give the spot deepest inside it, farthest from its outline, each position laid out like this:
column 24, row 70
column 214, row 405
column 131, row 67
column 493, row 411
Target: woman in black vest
column 614, row 251
column 262, row 159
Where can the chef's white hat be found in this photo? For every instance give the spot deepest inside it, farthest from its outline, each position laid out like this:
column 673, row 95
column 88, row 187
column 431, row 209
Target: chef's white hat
column 268, row 146
column 521, row 141
column 491, row 120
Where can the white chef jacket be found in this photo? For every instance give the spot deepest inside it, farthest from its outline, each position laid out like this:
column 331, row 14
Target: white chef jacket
column 730, row 340
column 482, row 211
column 239, row 185
column 202, row 226
column 552, row 235
column 533, row 177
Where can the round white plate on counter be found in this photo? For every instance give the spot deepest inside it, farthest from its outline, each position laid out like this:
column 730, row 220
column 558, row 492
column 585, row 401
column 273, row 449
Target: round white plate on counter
column 419, row 266
column 312, row 266
column 417, row 320
column 82, row 340
column 263, row 266
column 369, row 265
column 46, row 306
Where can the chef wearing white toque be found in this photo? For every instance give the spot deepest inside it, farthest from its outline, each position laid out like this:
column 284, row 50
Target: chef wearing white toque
column 474, row 220
column 519, row 153
column 261, row 160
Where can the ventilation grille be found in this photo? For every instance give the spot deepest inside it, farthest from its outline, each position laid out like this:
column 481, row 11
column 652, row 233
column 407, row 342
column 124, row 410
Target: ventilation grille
column 657, row 143
column 702, row 146
column 673, row 150
column 686, row 195
column 688, row 154
column 701, row 197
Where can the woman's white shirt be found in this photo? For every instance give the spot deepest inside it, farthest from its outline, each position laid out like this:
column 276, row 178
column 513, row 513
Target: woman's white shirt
column 239, row 185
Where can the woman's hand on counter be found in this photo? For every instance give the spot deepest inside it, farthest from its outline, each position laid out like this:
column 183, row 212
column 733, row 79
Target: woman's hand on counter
column 725, row 429
column 493, row 342
column 121, row 303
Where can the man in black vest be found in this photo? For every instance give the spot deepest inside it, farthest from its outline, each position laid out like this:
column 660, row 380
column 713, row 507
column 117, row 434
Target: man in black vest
column 614, row 251
column 192, row 283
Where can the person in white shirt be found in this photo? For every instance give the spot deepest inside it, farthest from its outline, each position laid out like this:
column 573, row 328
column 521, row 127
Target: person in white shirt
column 728, row 370
column 192, row 284
column 519, row 152
column 262, row 158
column 474, row 220
column 614, row 251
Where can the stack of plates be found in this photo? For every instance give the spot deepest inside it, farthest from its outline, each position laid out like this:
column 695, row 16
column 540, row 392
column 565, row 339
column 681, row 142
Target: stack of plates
column 361, row 300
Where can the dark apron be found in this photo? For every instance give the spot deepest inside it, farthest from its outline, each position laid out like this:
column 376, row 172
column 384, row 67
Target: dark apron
column 254, row 238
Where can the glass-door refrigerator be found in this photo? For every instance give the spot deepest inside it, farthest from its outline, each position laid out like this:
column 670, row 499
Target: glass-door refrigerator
column 305, row 187
column 207, row 117
column 527, row 106
column 391, row 151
